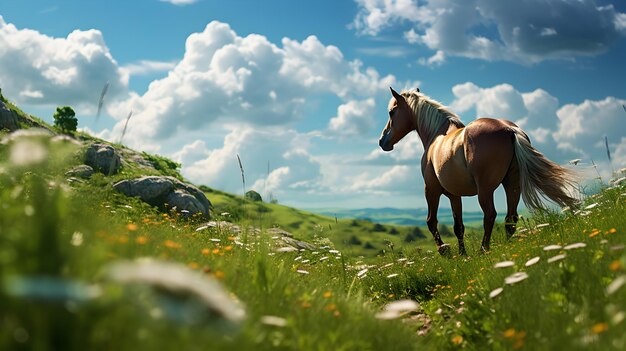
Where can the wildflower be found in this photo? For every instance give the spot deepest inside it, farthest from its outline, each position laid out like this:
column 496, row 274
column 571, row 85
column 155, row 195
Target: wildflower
column 171, row 244
column 330, row 307
column 327, row 294
column 611, row 231
column 219, row 274
column 206, row 251
column 599, row 328
column 615, row 265
column 131, row 227
column 122, row 239
column 141, row 240
column 504, row 264
column 532, row 261
column 193, row 265
column 215, row 251
column 305, row 304
column 146, row 220
column 228, row 248
column 77, row 239
column 594, row 233
column 509, row 333
column 457, row 340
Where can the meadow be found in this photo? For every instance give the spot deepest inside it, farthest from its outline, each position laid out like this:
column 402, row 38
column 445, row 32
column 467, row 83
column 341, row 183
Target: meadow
column 84, row 267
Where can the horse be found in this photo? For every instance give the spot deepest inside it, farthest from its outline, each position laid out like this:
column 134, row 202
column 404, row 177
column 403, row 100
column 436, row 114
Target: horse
column 470, row 160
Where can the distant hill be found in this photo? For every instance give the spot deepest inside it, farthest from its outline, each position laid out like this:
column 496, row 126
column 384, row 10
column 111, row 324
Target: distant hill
column 400, row 216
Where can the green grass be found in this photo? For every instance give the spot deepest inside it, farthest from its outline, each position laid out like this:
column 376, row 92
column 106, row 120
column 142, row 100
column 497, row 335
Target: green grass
column 57, row 240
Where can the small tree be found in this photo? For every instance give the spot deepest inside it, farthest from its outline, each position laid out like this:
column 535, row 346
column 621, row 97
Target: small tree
column 65, row 119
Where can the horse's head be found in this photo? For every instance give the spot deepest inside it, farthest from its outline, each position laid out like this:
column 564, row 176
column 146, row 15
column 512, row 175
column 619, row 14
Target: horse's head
column 401, row 122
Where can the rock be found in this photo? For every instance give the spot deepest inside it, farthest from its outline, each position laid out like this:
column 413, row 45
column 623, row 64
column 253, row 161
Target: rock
column 8, row 118
column 183, row 201
column 166, row 192
column 82, row 171
column 103, row 158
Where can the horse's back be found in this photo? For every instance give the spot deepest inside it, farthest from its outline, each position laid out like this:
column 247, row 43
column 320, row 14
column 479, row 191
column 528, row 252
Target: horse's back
column 489, row 150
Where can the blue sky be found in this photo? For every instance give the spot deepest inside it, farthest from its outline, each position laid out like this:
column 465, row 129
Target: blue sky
column 303, row 85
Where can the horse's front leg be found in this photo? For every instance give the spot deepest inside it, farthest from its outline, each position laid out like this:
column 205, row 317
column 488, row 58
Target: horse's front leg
column 433, row 194
column 459, row 228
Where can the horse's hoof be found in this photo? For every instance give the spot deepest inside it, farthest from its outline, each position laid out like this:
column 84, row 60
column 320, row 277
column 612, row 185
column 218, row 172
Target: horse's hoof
column 444, row 250
column 484, row 249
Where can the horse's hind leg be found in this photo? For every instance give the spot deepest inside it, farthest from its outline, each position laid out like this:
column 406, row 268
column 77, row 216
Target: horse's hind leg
column 485, row 199
column 512, row 189
column 459, row 228
column 433, row 194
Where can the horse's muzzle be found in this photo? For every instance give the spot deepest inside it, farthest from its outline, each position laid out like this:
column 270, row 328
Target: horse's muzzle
column 385, row 142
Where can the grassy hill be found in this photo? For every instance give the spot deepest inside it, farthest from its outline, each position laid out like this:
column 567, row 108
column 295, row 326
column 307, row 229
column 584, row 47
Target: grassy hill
column 84, row 267
column 403, row 216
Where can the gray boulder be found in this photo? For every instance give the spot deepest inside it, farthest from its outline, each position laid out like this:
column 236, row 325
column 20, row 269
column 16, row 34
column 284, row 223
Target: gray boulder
column 166, row 192
column 103, row 158
column 82, row 171
column 8, row 118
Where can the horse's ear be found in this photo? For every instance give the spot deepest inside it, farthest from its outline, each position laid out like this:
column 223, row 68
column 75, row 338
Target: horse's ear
column 395, row 94
column 417, row 89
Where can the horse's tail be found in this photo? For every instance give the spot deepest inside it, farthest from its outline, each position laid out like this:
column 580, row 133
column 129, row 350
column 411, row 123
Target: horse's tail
column 541, row 178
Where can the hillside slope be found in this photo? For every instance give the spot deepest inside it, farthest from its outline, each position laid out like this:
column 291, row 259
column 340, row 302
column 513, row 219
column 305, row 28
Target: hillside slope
column 84, row 267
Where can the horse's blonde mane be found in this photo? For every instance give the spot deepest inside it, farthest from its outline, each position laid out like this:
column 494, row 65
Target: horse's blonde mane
column 431, row 115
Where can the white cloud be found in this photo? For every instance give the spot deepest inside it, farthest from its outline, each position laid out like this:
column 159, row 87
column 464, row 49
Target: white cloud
column 39, row 69
column 582, row 127
column 353, row 118
column 292, row 169
column 437, row 59
column 523, row 31
column 244, row 80
column 144, row 67
column 560, row 132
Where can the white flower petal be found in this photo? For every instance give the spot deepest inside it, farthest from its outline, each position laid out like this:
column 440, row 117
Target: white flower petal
column 516, row 278
column 495, row 292
column 504, row 264
column 532, row 261
column 575, row 246
column 552, row 247
column 616, row 284
column 556, row 258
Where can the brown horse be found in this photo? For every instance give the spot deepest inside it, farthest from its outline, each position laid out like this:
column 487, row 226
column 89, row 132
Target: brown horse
column 474, row 160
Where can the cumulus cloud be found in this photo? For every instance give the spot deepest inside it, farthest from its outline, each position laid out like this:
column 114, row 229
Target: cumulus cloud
column 245, row 80
column 353, row 118
column 39, row 69
column 292, row 168
column 523, row 31
column 561, row 132
column 582, row 127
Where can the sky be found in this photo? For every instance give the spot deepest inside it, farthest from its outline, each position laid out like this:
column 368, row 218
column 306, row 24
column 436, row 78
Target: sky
column 299, row 89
